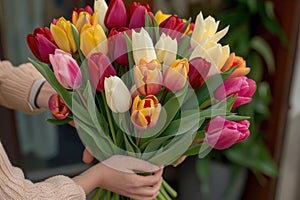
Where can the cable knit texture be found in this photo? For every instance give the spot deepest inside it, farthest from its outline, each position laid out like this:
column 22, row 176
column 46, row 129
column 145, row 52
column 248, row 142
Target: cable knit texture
column 15, row 85
column 14, row 186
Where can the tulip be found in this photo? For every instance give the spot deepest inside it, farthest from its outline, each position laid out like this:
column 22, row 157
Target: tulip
column 61, row 30
column 142, row 47
column 100, row 7
column 145, row 112
column 148, row 77
column 117, row 46
column 160, row 16
column 117, row 94
column 241, row 86
column 176, row 75
column 198, row 71
column 57, row 107
column 137, row 14
column 66, row 69
column 41, row 44
column 222, row 133
column 81, row 16
column 174, row 27
column 166, row 49
column 216, row 54
column 206, row 30
column 116, row 15
column 93, row 40
column 238, row 61
column 99, row 68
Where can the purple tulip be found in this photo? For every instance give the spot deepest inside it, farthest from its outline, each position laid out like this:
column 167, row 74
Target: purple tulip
column 99, row 68
column 222, row 133
column 66, row 69
column 241, row 86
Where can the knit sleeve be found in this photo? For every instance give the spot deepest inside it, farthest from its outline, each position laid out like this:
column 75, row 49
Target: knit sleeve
column 15, row 86
column 13, row 185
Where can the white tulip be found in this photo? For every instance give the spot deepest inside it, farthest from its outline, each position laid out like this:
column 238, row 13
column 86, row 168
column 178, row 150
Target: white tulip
column 142, row 47
column 100, row 7
column 117, row 95
column 166, row 49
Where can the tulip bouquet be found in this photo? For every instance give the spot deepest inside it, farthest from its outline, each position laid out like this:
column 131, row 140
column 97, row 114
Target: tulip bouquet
column 155, row 87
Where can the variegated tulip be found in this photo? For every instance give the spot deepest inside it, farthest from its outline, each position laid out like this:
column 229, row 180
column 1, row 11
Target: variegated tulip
column 62, row 33
column 99, row 68
column 206, row 29
column 93, row 40
column 57, row 107
column 176, row 74
column 116, row 15
column 222, row 133
column 41, row 44
column 117, row 94
column 148, row 77
column 66, row 69
column 80, row 17
column 142, row 47
column 238, row 61
column 145, row 112
column 166, row 49
column 100, row 7
column 160, row 16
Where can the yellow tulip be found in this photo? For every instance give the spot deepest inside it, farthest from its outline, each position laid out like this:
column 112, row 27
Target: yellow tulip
column 82, row 18
column 63, row 35
column 160, row 16
column 93, row 40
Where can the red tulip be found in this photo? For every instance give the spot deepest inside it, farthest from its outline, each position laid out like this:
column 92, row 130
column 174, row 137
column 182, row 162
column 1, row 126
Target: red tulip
column 58, row 107
column 117, row 46
column 198, row 71
column 241, row 86
column 41, row 44
column 136, row 15
column 173, row 26
column 99, row 68
column 116, row 15
column 222, row 133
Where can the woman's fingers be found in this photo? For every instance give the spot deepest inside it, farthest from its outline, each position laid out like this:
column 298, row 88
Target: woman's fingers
column 87, row 156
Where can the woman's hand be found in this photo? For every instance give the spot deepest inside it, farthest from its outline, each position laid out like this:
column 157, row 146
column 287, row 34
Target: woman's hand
column 117, row 175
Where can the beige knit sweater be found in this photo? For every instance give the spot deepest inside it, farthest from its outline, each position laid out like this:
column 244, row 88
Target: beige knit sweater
column 15, row 84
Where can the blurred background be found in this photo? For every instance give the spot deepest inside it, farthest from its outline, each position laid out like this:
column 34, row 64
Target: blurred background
column 265, row 167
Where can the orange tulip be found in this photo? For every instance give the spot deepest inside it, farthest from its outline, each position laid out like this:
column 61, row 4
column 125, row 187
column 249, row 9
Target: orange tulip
column 238, row 61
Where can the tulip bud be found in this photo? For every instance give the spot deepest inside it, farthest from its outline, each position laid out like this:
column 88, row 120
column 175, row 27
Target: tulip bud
column 99, row 68
column 238, row 61
column 66, row 69
column 145, row 112
column 222, row 133
column 100, row 7
column 166, row 49
column 81, row 16
column 160, row 16
column 148, row 77
column 241, row 86
column 63, row 35
column 176, row 75
column 116, row 15
column 198, row 71
column 117, row 46
column 57, row 107
column 92, row 40
column 137, row 14
column 174, row 27
column 41, row 44
column 117, row 94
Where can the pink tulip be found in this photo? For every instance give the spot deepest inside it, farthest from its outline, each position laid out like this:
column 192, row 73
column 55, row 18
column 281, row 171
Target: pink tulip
column 176, row 75
column 137, row 14
column 198, row 71
column 41, row 44
column 66, row 69
column 116, row 15
column 148, row 77
column 57, row 107
column 117, row 46
column 241, row 86
column 99, row 68
column 222, row 133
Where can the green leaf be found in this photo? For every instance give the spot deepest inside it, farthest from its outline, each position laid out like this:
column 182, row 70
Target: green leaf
column 264, row 49
column 183, row 51
column 60, row 121
column 129, row 50
column 77, row 41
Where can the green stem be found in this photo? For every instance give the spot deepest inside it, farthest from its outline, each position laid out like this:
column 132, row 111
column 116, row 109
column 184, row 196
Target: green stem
column 169, row 189
column 81, row 98
column 109, row 118
column 138, row 138
column 162, row 100
column 164, row 193
column 97, row 194
column 205, row 104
